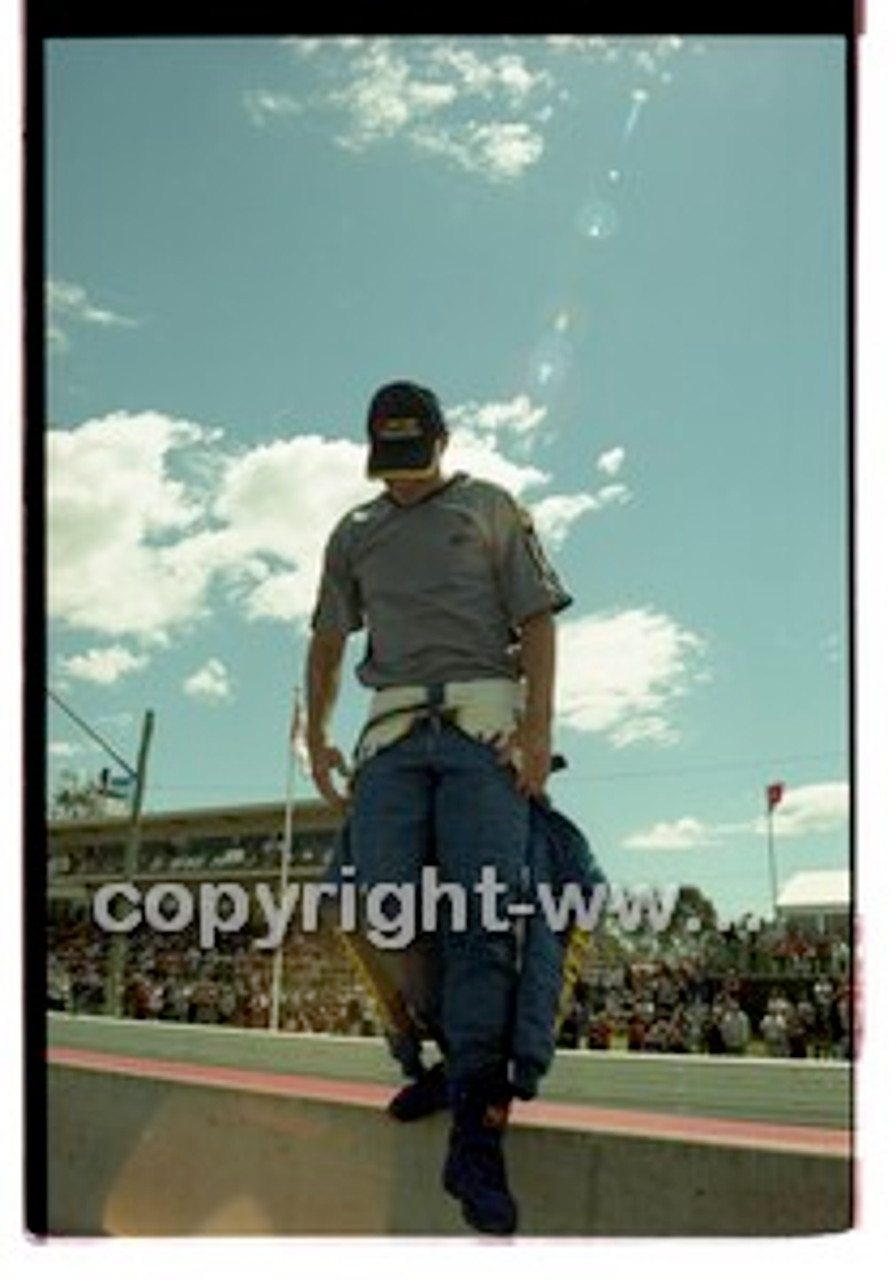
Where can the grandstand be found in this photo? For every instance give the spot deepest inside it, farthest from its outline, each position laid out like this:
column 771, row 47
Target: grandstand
column 169, row 975
column 243, row 841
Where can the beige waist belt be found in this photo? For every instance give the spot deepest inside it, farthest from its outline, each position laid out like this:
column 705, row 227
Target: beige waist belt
column 488, row 709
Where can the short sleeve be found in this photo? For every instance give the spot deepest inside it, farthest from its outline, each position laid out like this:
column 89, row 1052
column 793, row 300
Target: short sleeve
column 529, row 582
column 338, row 605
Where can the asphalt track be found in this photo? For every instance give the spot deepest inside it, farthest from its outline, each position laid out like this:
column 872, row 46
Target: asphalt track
column 158, row 1128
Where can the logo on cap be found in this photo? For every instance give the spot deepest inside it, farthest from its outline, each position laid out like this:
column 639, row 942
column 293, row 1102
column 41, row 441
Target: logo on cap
column 398, row 428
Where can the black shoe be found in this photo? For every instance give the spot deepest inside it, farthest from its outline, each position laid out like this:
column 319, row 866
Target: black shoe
column 422, row 1097
column 474, row 1171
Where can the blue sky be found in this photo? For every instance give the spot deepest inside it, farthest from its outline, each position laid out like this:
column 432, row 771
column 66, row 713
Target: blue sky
column 622, row 265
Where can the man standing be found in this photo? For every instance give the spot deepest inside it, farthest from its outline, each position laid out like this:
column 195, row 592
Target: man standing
column 446, row 576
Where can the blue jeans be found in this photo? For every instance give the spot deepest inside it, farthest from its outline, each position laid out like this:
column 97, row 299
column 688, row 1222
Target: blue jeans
column 440, row 797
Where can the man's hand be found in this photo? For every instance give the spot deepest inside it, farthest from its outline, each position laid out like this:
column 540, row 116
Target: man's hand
column 325, row 761
column 323, row 665
column 528, row 750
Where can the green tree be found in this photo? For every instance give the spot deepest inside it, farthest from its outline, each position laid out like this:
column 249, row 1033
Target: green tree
column 76, row 797
column 694, row 913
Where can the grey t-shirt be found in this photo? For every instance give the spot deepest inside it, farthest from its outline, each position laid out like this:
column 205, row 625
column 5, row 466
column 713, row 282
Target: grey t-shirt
column 442, row 586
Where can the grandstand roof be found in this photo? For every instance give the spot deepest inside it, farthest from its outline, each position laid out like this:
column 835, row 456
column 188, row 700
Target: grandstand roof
column 816, row 893
column 231, row 819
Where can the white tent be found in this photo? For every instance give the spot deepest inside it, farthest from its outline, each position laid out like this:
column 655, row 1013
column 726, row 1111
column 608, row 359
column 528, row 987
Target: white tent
column 818, row 894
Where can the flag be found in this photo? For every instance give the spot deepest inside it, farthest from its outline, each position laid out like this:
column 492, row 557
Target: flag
column 296, row 732
column 774, row 793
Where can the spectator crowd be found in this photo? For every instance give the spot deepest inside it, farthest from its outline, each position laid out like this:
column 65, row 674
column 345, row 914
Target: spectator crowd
column 663, row 1007
column 781, row 990
column 169, row 977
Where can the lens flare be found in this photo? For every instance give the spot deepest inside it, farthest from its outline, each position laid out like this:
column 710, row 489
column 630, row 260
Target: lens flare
column 597, row 219
column 551, row 360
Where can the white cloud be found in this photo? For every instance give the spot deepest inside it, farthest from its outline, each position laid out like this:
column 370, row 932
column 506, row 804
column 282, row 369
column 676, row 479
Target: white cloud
column 611, row 495
column 68, row 303
column 811, row 809
column 515, row 78
column 477, row 107
column 283, row 595
column 678, row 836
column 210, row 683
column 478, row 455
column 263, row 105
column 483, row 434
column 303, row 47
column 278, row 502
column 504, row 149
column 479, row 103
column 649, row 55
column 499, row 150
column 515, row 420
column 383, row 97
column 578, row 44
column 555, row 516
column 610, row 462
column 115, row 514
column 492, row 439
column 621, row 674
column 103, row 665
column 501, row 74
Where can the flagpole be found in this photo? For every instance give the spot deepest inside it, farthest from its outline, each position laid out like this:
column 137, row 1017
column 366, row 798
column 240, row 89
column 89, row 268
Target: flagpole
column 772, row 872
column 285, row 859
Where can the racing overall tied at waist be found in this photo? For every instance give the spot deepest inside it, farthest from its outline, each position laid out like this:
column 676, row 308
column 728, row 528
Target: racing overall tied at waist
column 488, row 709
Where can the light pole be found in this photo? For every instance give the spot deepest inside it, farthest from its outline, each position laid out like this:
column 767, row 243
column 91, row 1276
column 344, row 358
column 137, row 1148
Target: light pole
column 118, row 949
column 114, row 999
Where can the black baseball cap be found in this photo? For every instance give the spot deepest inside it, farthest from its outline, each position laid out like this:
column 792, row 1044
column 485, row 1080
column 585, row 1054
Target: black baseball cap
column 404, row 424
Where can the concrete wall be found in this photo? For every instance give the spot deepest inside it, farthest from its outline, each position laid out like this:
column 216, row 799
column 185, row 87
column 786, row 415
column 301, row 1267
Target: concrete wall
column 142, row 1156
